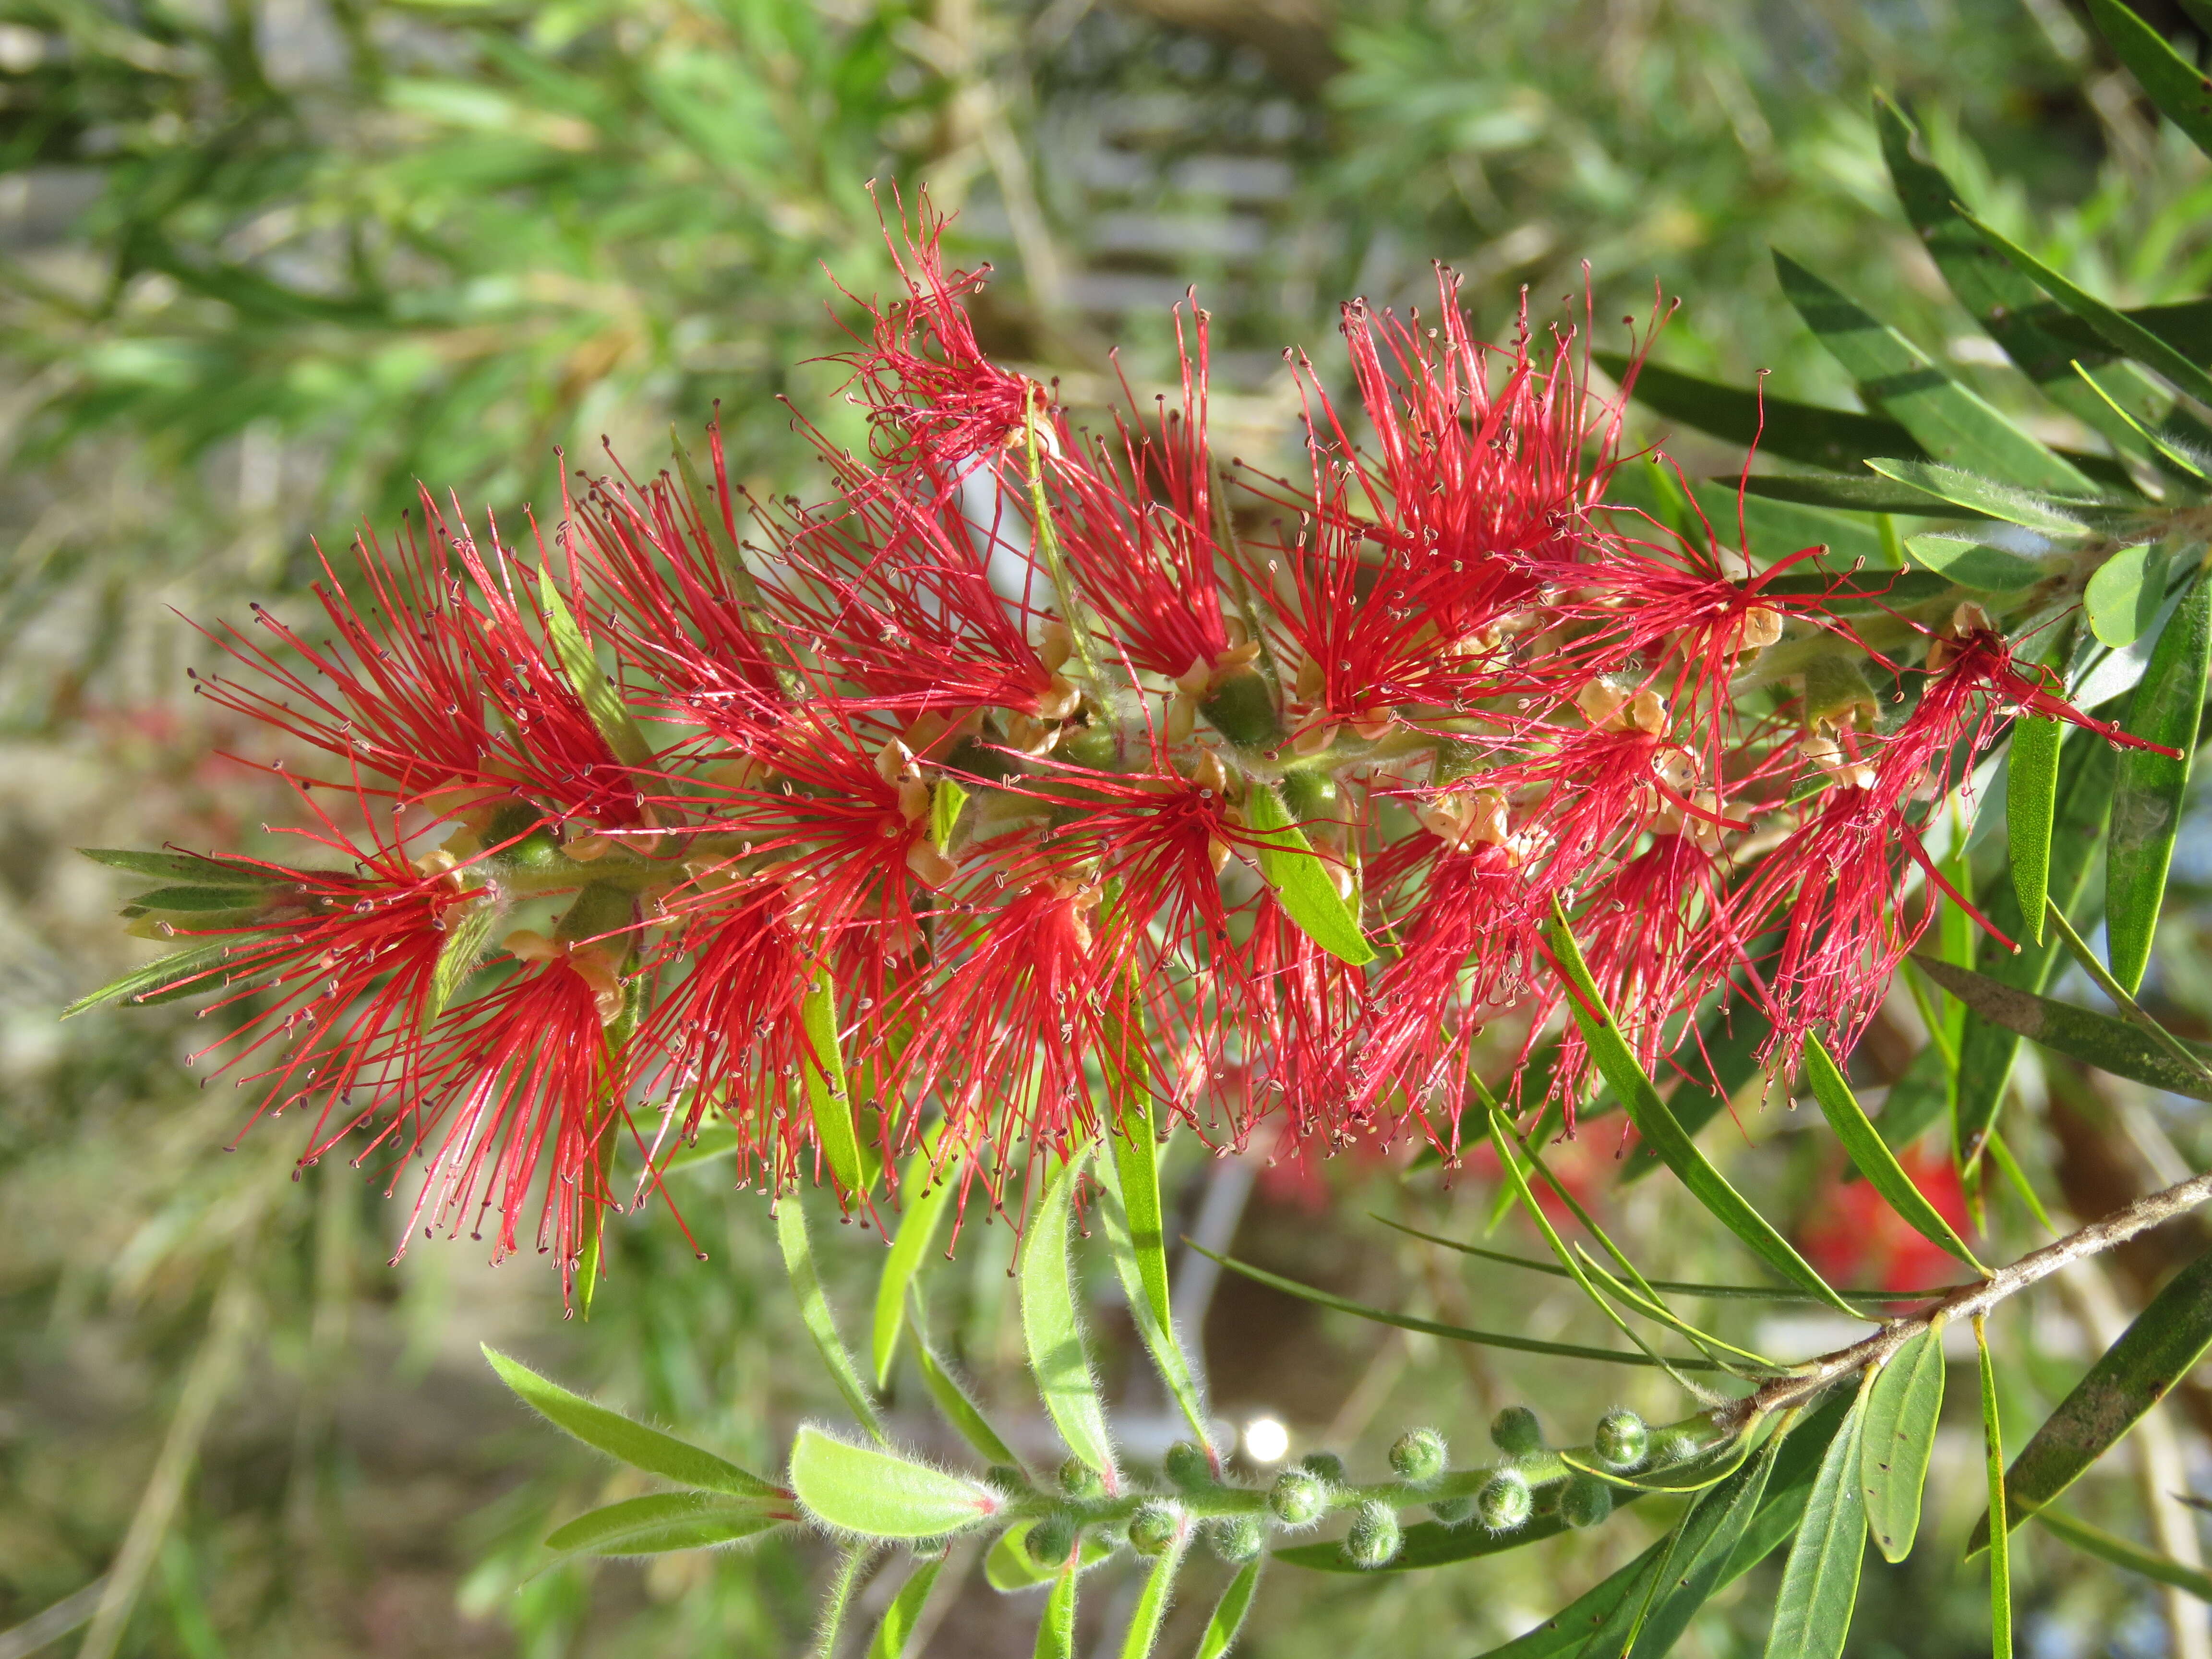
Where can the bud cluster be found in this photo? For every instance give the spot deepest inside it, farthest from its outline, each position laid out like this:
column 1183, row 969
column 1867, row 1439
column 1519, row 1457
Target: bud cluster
column 1022, row 759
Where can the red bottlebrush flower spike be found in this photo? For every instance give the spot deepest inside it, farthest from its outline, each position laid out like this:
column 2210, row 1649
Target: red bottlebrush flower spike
column 935, row 400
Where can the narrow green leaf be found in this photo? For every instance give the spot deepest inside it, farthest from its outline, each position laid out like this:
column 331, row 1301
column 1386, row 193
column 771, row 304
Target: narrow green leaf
column 896, row 1629
column 2133, row 1558
column 1871, row 1157
column 1871, row 590
column 1301, row 878
column 1151, row 1610
column 1899, row 1438
column 829, row 1619
column 2124, row 597
column 1160, row 1340
column 1821, row 1580
column 877, row 1494
column 828, row 1091
column 194, row 900
column 1702, row 1549
column 626, row 1441
column 1059, row 1361
column 1056, row 1630
column 1451, row 1333
column 2148, row 797
column 814, row 1308
column 669, row 1521
column 926, row 1208
column 961, row 1412
column 1837, row 439
column 2174, row 84
column 197, row 869
column 1699, row 1473
column 1999, row 501
column 2087, row 766
column 1229, row 1612
column 179, row 974
column 1953, row 425
column 2099, row 1040
column 2031, row 805
column 2157, row 1350
column 1856, row 494
column 601, row 700
column 1658, row 1127
column 468, row 936
column 2000, row 1542
column 1974, row 564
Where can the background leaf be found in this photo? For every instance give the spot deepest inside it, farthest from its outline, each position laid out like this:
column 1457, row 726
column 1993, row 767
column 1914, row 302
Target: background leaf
column 1059, row 1360
column 661, row 1522
column 2109, row 1044
column 814, row 1308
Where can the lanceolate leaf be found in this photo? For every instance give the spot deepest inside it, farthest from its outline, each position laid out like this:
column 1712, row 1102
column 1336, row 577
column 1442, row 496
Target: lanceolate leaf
column 2174, row 85
column 2160, row 1348
column 877, row 1494
column 2095, row 1540
column 2124, row 597
column 1701, row 1552
column 829, row 1091
column 1821, row 1580
column 1953, row 425
column 1858, row 494
column 1160, row 1340
column 2030, row 802
column 962, row 1413
column 2099, row 1040
column 1229, row 1612
column 1056, row 1632
column 1897, row 1439
column 669, row 1521
column 2086, row 768
column 1301, row 878
column 602, row 700
column 1837, row 439
column 625, row 1441
column 927, row 1207
column 814, row 1308
column 2147, row 797
column 898, row 1624
column 1059, row 1361
column 1871, row 1157
column 468, row 936
column 1151, row 1610
column 1999, row 1539
column 179, row 974
column 1451, row 1333
column 195, row 868
column 1973, row 564
column 1999, row 501
column 1658, row 1127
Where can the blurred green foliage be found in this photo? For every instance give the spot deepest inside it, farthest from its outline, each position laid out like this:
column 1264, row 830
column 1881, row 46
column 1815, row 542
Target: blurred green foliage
column 266, row 263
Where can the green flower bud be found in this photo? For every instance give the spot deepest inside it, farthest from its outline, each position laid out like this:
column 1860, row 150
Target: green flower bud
column 1078, row 1479
column 1375, row 1536
column 1622, row 1441
column 1052, row 1540
column 1188, row 1466
column 1586, row 1501
column 1515, row 1431
column 1153, row 1527
column 1328, row 1465
column 1418, row 1456
column 1298, row 1497
column 1504, row 1501
column 1236, row 1538
column 1453, row 1511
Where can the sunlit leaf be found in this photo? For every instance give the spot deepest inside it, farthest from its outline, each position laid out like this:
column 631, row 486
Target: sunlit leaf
column 814, row 1310
column 602, row 700
column 1301, row 878
column 829, row 1090
column 1837, row 439
column 1151, row 1609
column 669, row 1521
column 1897, row 1438
column 1060, row 1362
column 879, row 1494
column 2031, row 804
column 926, row 1208
column 2095, row 1540
column 2124, row 594
column 1820, row 1579
column 1056, row 1630
column 179, row 974
column 1999, row 501
column 895, row 1630
column 2146, row 796
column 1228, row 1619
column 2099, row 1040
column 1871, row 1157
column 1998, row 1538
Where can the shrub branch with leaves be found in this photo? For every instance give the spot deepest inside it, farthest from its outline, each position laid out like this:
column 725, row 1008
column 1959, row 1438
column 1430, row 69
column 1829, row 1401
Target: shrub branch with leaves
column 1044, row 792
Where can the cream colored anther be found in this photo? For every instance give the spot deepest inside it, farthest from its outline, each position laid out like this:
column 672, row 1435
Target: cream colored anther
column 1476, row 819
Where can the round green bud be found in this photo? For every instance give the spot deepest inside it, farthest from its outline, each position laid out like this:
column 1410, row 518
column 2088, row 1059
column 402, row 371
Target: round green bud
column 1504, row 1501
column 1153, row 1527
column 1298, row 1497
column 1188, row 1466
column 1236, row 1538
column 1622, row 1441
column 1328, row 1465
column 1586, row 1501
column 1418, row 1455
column 1374, row 1538
column 1052, row 1540
column 1007, row 1478
column 1453, row 1511
column 1515, row 1431
column 1078, row 1479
